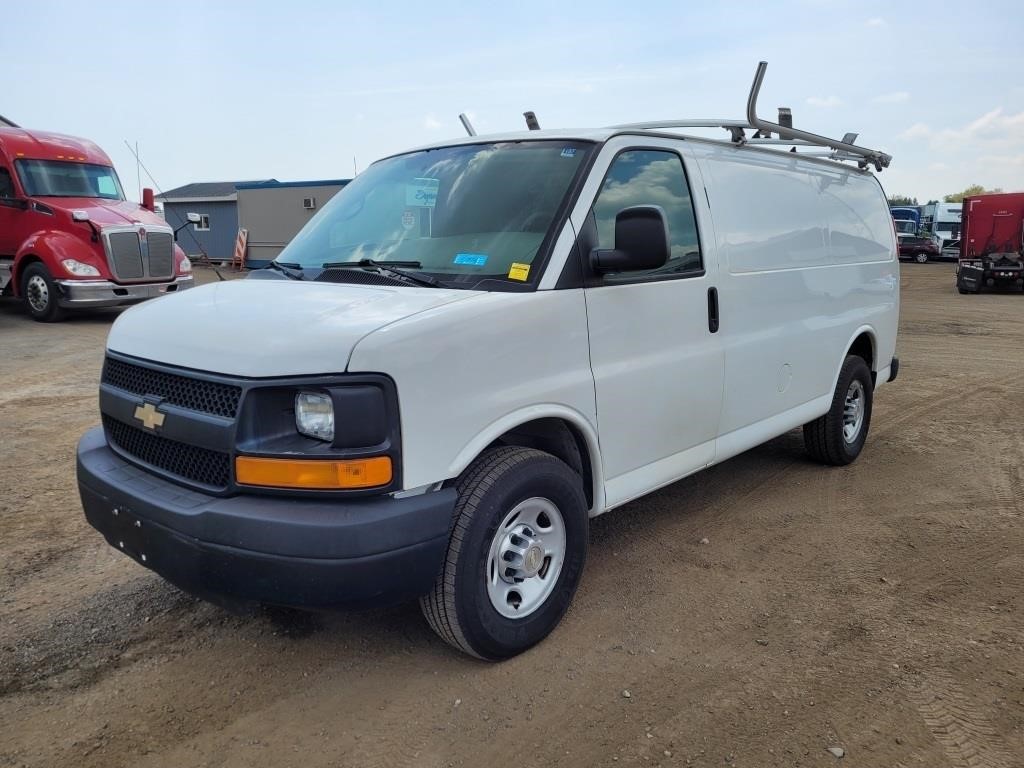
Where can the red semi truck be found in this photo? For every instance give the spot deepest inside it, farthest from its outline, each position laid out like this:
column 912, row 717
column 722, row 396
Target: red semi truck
column 991, row 243
column 68, row 237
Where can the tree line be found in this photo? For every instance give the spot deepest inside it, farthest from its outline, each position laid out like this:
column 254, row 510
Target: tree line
column 955, row 197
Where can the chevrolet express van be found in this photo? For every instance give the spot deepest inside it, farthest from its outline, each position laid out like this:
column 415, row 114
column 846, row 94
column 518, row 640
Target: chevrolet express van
column 474, row 349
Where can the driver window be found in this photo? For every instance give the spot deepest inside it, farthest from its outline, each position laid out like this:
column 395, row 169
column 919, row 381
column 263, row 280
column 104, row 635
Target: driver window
column 6, row 184
column 650, row 177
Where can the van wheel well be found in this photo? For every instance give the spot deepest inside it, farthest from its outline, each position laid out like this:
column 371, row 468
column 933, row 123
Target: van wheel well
column 863, row 347
column 559, row 438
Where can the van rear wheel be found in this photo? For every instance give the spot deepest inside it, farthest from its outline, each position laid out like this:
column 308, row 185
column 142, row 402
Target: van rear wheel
column 515, row 556
column 838, row 437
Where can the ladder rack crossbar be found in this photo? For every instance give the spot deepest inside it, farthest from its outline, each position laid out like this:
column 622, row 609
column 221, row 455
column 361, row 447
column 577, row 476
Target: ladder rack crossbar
column 682, row 123
column 784, row 135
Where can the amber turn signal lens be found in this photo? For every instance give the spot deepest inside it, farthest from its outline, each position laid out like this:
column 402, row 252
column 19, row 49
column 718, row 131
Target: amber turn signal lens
column 313, row 474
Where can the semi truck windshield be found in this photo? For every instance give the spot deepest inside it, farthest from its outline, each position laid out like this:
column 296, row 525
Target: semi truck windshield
column 57, row 178
column 465, row 213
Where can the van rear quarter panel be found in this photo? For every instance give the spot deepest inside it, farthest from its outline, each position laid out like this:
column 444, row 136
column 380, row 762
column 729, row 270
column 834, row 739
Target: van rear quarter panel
column 807, row 259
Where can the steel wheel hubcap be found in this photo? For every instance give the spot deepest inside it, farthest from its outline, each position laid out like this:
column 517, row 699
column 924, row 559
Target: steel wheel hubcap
column 525, row 558
column 922, row 258
column 853, row 411
column 37, row 293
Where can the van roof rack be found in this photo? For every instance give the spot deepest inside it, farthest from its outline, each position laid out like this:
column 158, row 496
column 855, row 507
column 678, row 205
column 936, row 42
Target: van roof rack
column 789, row 136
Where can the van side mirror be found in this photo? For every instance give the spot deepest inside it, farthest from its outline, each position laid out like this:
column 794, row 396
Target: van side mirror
column 641, row 241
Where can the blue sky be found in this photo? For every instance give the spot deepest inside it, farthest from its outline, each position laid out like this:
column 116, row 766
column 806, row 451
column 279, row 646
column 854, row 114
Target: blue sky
column 231, row 90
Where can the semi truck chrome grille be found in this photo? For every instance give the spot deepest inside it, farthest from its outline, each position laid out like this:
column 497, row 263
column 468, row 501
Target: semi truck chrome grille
column 189, row 462
column 161, row 254
column 126, row 255
column 184, row 391
column 139, row 252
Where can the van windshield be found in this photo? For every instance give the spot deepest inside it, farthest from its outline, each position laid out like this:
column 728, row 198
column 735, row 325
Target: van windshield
column 58, row 178
column 464, row 213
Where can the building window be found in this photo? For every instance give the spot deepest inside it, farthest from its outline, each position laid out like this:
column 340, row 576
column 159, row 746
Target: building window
column 204, row 223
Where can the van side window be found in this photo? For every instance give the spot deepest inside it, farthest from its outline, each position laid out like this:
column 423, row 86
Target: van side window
column 6, row 185
column 650, row 177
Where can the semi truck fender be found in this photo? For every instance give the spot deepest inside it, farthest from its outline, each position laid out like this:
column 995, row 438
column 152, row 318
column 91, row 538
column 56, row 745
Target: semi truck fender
column 51, row 247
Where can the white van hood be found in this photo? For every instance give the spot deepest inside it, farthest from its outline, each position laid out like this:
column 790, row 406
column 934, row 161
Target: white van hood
column 261, row 328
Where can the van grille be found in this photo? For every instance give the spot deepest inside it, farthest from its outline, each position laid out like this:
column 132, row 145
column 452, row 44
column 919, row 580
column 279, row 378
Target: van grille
column 199, row 465
column 183, row 391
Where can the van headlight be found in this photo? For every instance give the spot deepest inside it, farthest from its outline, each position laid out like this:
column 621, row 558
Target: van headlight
column 314, row 415
column 75, row 267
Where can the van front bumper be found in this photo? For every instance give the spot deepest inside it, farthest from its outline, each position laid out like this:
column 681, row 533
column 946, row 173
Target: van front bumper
column 81, row 294
column 300, row 552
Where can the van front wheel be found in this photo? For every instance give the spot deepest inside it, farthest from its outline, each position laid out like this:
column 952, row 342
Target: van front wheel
column 838, row 437
column 515, row 555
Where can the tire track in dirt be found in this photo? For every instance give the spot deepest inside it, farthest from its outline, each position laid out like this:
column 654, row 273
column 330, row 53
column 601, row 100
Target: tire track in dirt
column 937, row 404
column 961, row 726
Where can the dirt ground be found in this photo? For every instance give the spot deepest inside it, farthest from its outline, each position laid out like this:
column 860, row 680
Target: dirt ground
column 875, row 608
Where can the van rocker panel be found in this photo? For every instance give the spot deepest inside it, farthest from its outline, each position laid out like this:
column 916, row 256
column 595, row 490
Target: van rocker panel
column 307, row 552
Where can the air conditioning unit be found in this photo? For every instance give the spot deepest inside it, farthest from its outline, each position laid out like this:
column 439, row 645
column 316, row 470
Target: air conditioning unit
column 309, row 203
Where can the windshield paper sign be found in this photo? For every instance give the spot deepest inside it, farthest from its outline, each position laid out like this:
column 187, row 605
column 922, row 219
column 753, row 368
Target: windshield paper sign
column 422, row 193
column 471, row 259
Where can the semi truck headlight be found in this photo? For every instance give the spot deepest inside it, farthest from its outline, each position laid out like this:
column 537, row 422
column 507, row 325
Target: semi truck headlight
column 75, row 267
column 184, row 266
column 314, row 415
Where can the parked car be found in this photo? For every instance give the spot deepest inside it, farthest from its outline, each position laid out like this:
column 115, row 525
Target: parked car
column 68, row 237
column 476, row 347
column 919, row 249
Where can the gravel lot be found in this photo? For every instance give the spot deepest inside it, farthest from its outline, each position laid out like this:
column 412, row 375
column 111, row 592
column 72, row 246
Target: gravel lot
column 875, row 608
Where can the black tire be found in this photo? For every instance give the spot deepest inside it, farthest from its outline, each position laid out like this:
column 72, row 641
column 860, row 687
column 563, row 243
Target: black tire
column 824, row 438
column 459, row 608
column 921, row 257
column 40, row 294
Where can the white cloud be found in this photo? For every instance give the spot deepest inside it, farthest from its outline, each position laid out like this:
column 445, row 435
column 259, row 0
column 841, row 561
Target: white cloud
column 828, row 101
column 431, row 123
column 896, row 97
column 992, row 130
column 876, row 21
column 916, row 131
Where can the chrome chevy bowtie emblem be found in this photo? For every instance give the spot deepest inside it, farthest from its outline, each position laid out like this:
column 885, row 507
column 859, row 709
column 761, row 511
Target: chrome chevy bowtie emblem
column 150, row 417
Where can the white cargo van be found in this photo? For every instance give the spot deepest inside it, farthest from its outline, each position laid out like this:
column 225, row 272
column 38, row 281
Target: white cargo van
column 476, row 347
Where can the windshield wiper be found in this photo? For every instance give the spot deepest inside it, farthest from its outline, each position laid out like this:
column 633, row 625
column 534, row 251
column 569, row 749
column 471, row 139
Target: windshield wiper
column 388, row 266
column 286, row 269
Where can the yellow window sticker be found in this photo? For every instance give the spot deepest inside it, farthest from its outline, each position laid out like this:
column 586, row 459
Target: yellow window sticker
column 519, row 272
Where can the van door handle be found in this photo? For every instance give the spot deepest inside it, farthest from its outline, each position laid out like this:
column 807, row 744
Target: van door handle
column 713, row 310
